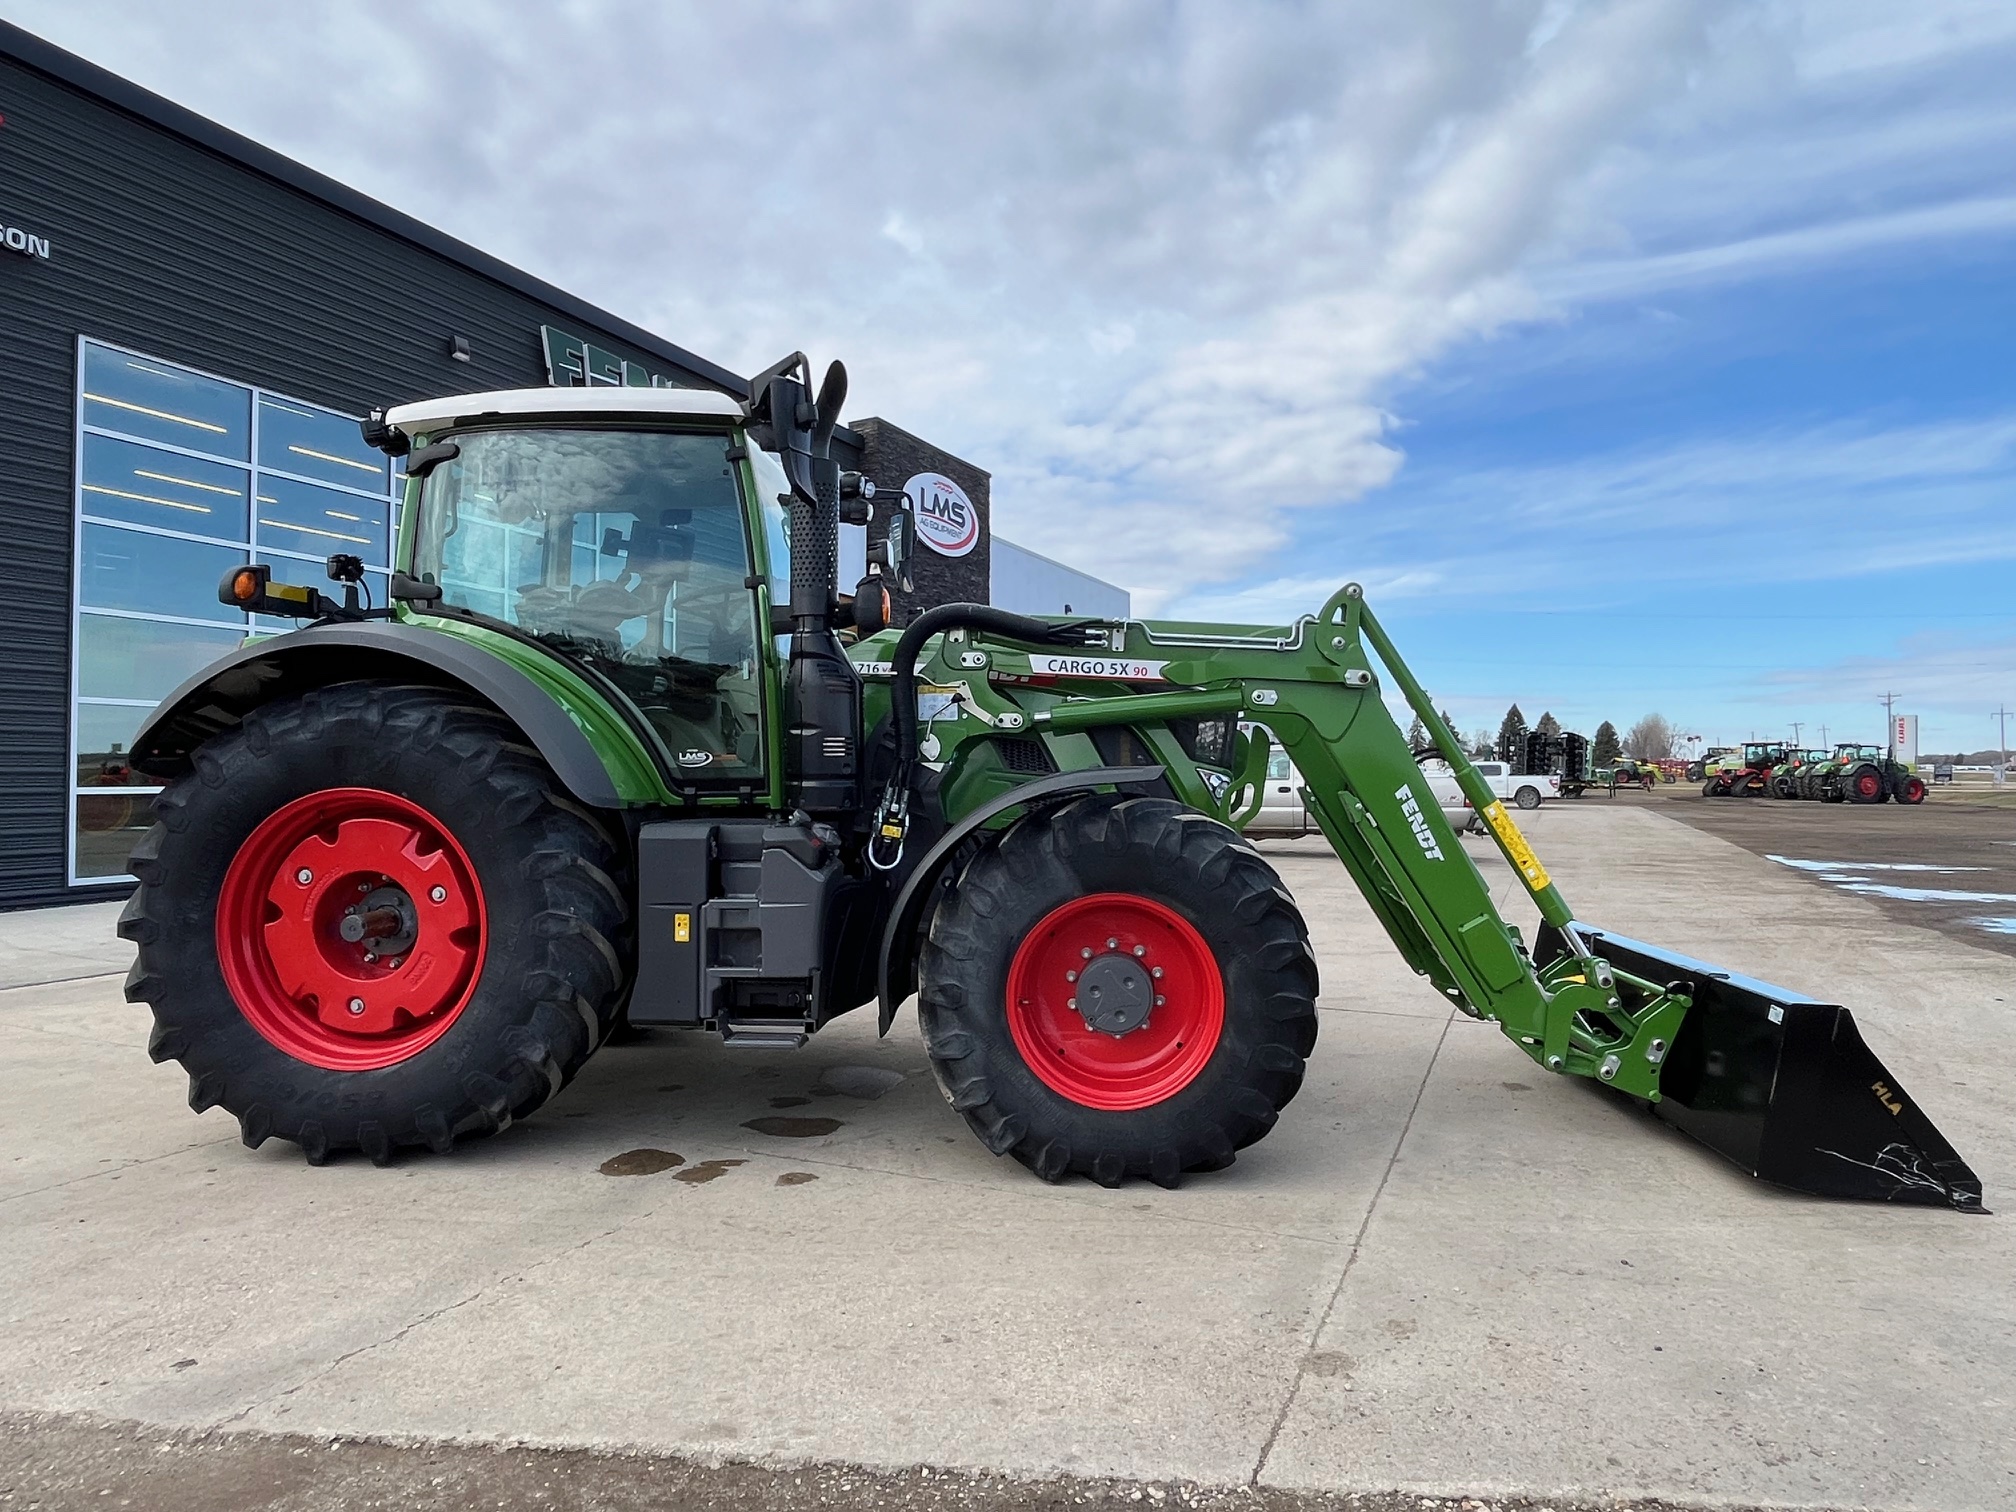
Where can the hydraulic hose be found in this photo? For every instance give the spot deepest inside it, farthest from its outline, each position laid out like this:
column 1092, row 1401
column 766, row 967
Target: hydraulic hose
column 885, row 849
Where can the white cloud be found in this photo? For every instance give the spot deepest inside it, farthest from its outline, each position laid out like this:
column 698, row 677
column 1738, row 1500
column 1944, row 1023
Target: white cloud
column 1162, row 269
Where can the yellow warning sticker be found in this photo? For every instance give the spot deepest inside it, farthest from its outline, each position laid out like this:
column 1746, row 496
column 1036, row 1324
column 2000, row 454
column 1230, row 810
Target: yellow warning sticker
column 1516, row 846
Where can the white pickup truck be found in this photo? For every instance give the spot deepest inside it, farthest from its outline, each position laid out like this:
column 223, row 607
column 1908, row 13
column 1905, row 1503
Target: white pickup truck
column 1283, row 815
column 1527, row 791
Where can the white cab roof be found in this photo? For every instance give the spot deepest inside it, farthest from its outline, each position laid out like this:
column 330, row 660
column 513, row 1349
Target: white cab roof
column 673, row 403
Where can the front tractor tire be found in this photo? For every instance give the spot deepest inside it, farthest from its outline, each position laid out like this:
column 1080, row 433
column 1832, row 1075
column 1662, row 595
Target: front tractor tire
column 367, row 920
column 1120, row 987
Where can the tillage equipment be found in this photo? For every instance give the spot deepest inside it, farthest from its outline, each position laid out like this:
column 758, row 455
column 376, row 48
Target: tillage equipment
column 605, row 757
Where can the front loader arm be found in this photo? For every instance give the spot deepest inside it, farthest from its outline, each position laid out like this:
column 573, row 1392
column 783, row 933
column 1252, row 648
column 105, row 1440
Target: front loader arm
column 1778, row 1083
column 1316, row 689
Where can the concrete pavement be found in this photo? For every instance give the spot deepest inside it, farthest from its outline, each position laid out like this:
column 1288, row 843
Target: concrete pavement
column 1445, row 1272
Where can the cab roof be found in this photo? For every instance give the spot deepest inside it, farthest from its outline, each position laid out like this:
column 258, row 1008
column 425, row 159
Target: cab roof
column 545, row 403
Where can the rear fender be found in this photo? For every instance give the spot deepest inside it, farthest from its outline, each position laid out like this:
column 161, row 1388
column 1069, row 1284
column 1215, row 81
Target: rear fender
column 222, row 694
column 896, row 977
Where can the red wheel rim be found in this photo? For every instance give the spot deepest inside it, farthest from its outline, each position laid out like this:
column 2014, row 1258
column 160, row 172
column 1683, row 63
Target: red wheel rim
column 1127, row 933
column 387, row 866
column 1867, row 785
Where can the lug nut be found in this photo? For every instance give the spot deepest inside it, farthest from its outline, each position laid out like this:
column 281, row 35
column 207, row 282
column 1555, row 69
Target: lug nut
column 1160, row 1000
column 1140, row 950
column 356, row 1005
column 1072, row 1004
column 304, row 876
column 1155, row 972
column 438, row 894
column 1112, row 944
column 1070, row 976
column 1085, row 954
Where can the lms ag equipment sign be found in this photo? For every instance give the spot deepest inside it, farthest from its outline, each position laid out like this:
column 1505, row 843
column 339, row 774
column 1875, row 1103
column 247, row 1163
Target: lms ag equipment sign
column 947, row 522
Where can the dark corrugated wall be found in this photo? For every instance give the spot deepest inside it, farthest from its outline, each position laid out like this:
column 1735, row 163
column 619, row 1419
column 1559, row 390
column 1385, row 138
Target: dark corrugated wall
column 167, row 248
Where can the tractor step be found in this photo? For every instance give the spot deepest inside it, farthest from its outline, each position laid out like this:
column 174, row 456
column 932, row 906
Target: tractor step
column 765, row 1034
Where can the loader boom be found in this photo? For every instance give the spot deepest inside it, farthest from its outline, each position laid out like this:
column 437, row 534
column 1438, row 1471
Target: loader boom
column 1576, row 1000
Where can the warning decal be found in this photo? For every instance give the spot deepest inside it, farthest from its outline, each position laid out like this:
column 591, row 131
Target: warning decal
column 1516, row 847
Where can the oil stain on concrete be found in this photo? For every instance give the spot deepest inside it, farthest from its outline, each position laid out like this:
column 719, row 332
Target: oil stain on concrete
column 706, row 1171
column 640, row 1163
column 780, row 1127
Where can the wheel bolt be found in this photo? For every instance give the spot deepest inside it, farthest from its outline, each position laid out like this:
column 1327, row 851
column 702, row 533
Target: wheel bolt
column 1072, row 1004
column 1070, row 976
column 356, row 1005
column 1140, row 950
column 1085, row 954
column 438, row 894
column 1112, row 944
column 1156, row 972
column 1160, row 1000
column 304, row 876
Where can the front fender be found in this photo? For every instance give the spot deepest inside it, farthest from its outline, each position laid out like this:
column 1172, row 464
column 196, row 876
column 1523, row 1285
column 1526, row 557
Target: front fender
column 896, row 976
column 606, row 770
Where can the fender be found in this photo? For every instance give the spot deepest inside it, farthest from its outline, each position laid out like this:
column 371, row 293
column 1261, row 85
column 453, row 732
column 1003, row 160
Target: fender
column 220, row 696
column 896, row 976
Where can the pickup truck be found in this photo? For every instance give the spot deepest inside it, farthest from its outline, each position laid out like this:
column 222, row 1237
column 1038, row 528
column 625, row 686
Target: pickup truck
column 1283, row 816
column 1521, row 791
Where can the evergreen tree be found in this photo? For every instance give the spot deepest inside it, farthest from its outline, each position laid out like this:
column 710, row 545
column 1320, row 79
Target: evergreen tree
column 1548, row 725
column 1606, row 748
column 1512, row 737
column 1417, row 734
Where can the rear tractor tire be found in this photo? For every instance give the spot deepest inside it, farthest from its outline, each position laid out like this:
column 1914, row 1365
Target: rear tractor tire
column 1120, row 987
column 367, row 920
column 1863, row 785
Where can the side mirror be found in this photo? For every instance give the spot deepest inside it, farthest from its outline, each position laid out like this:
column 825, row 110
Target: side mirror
column 892, row 553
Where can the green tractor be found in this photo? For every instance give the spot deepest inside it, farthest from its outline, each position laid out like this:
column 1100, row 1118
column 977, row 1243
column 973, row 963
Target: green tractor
column 1868, row 774
column 604, row 758
column 1747, row 775
column 1784, row 777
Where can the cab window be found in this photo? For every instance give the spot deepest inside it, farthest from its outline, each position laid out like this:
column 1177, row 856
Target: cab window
column 623, row 549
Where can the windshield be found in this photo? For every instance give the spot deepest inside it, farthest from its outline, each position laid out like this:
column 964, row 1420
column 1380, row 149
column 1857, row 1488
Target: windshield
column 624, row 549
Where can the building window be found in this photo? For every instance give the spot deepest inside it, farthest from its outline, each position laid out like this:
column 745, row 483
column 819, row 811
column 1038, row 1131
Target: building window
column 180, row 477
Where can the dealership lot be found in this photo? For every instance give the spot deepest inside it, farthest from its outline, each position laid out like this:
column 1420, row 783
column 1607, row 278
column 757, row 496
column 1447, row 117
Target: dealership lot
column 1445, row 1273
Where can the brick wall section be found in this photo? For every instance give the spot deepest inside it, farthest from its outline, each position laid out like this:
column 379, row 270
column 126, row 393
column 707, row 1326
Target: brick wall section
column 892, row 456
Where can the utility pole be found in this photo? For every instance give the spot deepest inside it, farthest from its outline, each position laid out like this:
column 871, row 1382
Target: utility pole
column 1823, row 735
column 1797, row 726
column 2001, row 715
column 1889, row 702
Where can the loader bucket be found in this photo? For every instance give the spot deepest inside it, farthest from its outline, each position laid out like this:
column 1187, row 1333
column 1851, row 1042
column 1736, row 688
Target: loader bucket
column 1784, row 1087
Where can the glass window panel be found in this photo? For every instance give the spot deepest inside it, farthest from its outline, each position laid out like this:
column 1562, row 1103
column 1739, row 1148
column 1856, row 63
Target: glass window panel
column 109, row 825
column 162, row 402
column 131, row 658
column 150, row 574
column 104, row 736
column 303, row 517
column 623, row 549
column 123, row 480
column 297, row 439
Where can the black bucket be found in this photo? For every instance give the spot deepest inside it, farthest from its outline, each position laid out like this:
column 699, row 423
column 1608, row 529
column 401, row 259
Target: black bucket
column 1784, row 1087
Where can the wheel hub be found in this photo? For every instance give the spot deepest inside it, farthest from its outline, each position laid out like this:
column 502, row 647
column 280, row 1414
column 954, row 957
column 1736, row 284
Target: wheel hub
column 1115, row 1001
column 1115, row 993
column 350, row 929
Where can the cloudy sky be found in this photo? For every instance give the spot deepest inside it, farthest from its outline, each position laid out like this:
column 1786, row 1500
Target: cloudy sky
column 1636, row 356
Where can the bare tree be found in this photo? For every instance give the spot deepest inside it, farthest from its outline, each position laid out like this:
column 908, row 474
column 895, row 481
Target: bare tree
column 1651, row 739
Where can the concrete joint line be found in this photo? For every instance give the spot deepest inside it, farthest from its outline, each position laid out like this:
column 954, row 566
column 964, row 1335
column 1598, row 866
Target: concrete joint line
column 89, row 976
column 131, row 1165
column 428, row 1317
column 1351, row 1259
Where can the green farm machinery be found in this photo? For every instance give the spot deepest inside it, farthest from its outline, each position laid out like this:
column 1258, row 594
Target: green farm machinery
column 1867, row 774
column 605, row 759
column 1748, row 774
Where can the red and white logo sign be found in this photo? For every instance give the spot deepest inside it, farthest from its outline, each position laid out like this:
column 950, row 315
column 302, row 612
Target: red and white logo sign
column 947, row 522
